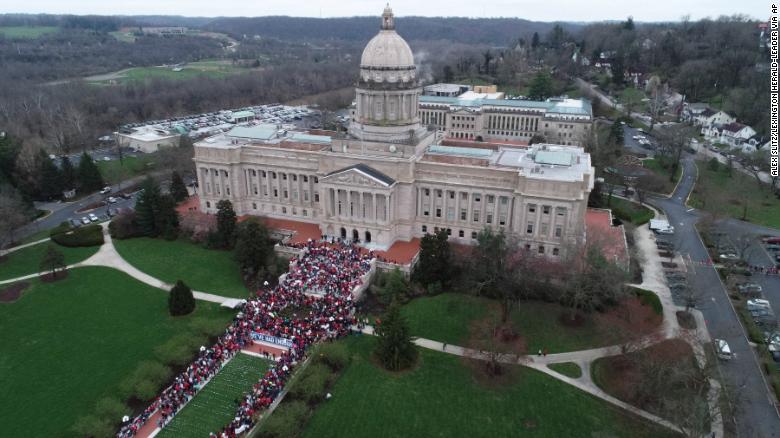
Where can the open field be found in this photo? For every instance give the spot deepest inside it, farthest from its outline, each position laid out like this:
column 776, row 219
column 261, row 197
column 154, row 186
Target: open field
column 205, row 270
column 26, row 261
column 69, row 343
column 214, row 406
column 26, row 31
column 115, row 171
column 447, row 318
column 368, row 401
column 736, row 195
column 211, row 69
column 628, row 211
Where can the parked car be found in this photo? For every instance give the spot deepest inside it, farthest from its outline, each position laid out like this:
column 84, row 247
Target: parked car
column 729, row 256
column 112, row 200
column 75, row 223
column 93, row 218
column 85, row 220
column 106, row 190
column 749, row 288
column 723, row 350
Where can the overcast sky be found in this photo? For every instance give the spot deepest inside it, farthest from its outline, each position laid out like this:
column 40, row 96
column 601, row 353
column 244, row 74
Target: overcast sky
column 541, row 10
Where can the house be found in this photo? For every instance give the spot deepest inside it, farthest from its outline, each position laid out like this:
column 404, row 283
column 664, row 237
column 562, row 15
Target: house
column 692, row 110
column 700, row 114
column 732, row 134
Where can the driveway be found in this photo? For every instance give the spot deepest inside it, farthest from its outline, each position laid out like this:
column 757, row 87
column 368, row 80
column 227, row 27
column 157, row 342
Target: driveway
column 756, row 414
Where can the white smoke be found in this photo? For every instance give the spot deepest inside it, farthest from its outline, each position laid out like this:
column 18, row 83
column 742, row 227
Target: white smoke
column 424, row 69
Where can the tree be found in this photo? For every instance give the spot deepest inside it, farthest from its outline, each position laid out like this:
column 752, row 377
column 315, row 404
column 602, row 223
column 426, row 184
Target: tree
column 178, row 190
column 147, row 208
column 541, row 87
column 49, row 178
column 89, row 176
column 537, row 138
column 394, row 343
column 68, row 173
column 488, row 344
column 167, row 218
column 435, row 260
column 656, row 102
column 226, row 224
column 617, row 69
column 535, row 41
column 52, row 261
column 392, row 287
column 672, row 141
column 180, row 300
column 254, row 249
column 13, row 211
column 596, row 282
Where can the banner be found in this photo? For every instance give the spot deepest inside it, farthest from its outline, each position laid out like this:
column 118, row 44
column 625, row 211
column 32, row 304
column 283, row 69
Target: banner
column 287, row 343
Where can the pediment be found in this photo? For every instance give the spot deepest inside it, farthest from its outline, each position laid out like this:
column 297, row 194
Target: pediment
column 360, row 176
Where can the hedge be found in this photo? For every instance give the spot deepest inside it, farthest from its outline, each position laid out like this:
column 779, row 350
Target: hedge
column 91, row 235
column 649, row 298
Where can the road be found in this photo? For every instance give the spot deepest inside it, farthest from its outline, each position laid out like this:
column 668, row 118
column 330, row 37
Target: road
column 756, row 414
column 63, row 211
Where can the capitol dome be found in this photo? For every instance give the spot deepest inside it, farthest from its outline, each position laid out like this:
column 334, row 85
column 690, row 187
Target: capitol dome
column 387, row 49
column 387, row 58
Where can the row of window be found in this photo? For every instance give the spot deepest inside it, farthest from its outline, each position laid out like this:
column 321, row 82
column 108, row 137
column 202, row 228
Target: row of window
column 547, row 209
column 283, row 176
column 540, row 249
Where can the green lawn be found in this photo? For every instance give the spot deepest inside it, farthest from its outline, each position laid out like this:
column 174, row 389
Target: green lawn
column 569, row 369
column 26, row 31
column 736, row 195
column 205, row 270
column 127, row 37
column 115, row 171
column 213, row 407
column 628, row 211
column 446, row 318
column 67, row 344
column 656, row 166
column 26, row 261
column 440, row 398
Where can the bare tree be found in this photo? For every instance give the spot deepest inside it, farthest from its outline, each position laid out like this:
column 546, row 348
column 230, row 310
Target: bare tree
column 14, row 214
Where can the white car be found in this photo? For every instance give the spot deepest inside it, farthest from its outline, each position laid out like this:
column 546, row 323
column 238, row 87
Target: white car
column 729, row 256
column 85, row 220
column 106, row 189
column 723, row 350
column 93, row 218
column 112, row 200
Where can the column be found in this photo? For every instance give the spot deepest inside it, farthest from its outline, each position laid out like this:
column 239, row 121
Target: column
column 496, row 204
column 445, row 195
column 469, row 219
column 483, row 207
column 389, row 208
column 373, row 208
column 457, row 206
column 268, row 184
column 361, row 213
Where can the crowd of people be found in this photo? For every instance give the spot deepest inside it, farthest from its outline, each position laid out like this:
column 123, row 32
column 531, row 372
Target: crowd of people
column 321, row 282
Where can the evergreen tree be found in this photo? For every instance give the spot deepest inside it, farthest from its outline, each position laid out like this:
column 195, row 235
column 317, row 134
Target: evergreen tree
column 616, row 134
column 226, row 224
column 435, row 260
column 178, row 189
column 49, row 178
column 535, row 41
column 254, row 248
column 394, row 343
column 167, row 218
column 89, row 179
column 52, row 260
column 68, row 173
column 180, row 300
column 147, row 208
column 9, row 153
column 541, row 87
column 393, row 288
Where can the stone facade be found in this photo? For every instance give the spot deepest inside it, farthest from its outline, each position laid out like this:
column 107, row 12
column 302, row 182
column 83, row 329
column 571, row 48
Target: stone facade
column 387, row 179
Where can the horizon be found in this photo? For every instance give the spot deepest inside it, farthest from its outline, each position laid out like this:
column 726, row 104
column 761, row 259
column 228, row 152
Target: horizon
column 531, row 10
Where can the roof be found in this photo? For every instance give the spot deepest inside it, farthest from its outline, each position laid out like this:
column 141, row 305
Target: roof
column 707, row 112
column 462, row 151
column 369, row 172
column 557, row 158
column 733, row 127
column 556, row 106
column 243, row 114
column 309, row 138
column 260, row 132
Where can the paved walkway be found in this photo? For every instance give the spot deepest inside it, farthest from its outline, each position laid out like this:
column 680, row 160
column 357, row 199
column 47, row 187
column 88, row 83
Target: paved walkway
column 107, row 256
column 17, row 248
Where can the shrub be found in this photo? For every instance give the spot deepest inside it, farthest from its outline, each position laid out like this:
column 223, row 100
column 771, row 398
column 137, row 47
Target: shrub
column 649, row 298
column 124, row 226
column 93, row 426
column 91, row 235
column 145, row 381
column 312, row 383
column 286, row 421
column 334, row 355
column 180, row 300
column 180, row 349
column 111, row 408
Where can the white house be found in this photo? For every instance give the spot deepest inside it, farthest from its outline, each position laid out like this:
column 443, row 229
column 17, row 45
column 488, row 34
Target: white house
column 732, row 134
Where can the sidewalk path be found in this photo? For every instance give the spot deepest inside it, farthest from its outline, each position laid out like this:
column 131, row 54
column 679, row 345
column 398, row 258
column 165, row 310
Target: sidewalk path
column 107, row 256
column 17, row 248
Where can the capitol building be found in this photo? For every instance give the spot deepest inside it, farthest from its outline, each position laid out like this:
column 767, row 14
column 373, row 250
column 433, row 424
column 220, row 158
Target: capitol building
column 410, row 164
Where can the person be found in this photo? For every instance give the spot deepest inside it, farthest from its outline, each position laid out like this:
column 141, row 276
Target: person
column 328, row 396
column 540, row 353
column 443, row 346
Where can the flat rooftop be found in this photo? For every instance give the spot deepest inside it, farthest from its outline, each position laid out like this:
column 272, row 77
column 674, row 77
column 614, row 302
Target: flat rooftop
column 541, row 161
column 553, row 106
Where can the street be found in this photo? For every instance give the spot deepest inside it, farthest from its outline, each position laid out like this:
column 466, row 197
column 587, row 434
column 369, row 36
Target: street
column 756, row 413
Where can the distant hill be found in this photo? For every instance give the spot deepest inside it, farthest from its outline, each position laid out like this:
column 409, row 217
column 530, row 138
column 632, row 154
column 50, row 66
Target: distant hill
column 492, row 31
